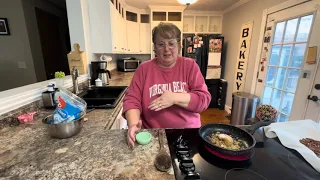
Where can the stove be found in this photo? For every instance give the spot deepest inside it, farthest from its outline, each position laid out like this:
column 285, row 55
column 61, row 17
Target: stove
column 270, row 161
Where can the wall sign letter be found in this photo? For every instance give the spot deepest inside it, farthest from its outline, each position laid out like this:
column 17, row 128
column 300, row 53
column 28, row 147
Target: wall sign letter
column 242, row 60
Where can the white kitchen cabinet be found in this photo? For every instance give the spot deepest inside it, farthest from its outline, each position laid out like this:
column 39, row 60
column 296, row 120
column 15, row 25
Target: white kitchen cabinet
column 124, row 43
column 145, row 38
column 107, row 27
column 133, row 37
column 115, row 26
column 100, row 18
column 208, row 24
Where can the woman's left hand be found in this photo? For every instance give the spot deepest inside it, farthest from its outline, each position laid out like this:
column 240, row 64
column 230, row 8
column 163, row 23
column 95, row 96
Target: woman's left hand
column 164, row 101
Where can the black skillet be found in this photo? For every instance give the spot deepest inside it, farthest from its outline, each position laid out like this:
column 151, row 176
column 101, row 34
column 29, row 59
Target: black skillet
column 235, row 132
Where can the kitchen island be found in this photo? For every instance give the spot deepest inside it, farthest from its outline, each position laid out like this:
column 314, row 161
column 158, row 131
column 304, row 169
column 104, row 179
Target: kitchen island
column 28, row 152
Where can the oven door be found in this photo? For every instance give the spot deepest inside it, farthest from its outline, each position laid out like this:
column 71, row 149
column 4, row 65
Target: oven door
column 131, row 65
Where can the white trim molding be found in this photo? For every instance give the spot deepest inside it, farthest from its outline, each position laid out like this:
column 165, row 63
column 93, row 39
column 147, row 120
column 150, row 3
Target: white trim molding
column 227, row 108
column 285, row 5
column 234, row 6
column 259, row 50
column 15, row 98
column 202, row 13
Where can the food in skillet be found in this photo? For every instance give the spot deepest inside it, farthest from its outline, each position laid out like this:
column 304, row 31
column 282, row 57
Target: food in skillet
column 312, row 144
column 226, row 141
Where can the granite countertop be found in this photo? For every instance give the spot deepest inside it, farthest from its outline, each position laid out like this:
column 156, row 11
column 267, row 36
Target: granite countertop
column 28, row 152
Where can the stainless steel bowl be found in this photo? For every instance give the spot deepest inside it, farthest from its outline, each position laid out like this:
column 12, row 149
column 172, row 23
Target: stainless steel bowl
column 63, row 130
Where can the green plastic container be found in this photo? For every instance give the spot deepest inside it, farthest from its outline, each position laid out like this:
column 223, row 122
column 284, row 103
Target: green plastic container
column 143, row 138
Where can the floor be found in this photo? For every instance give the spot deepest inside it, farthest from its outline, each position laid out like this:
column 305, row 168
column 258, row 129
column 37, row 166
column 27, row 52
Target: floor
column 214, row 115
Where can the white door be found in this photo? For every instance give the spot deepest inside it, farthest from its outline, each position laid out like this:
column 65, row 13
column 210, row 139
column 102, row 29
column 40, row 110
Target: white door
column 285, row 79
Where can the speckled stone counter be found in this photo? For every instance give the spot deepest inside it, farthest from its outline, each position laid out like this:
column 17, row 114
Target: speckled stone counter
column 29, row 153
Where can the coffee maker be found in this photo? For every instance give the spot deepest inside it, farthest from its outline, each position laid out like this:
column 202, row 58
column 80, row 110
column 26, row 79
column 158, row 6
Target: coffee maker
column 99, row 70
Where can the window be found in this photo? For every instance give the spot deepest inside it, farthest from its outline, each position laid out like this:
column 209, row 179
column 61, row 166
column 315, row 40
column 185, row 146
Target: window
column 286, row 59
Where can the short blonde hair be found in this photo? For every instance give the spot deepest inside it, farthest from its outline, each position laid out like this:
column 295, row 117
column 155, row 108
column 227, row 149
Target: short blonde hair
column 166, row 31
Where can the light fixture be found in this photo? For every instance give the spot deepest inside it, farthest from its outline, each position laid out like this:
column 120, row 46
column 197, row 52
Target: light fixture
column 187, row 2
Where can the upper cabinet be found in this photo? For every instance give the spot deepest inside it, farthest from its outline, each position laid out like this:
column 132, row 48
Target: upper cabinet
column 113, row 29
column 118, row 28
column 172, row 14
column 132, row 32
column 207, row 24
column 145, row 34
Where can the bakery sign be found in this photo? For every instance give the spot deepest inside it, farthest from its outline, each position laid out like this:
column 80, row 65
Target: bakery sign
column 242, row 57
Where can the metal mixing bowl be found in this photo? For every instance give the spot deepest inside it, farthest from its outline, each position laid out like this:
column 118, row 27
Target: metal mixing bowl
column 63, row 130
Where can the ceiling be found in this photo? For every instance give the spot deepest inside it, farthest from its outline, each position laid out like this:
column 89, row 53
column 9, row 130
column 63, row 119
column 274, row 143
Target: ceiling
column 204, row 5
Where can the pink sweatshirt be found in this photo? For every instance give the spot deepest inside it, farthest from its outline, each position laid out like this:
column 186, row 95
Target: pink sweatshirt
column 185, row 76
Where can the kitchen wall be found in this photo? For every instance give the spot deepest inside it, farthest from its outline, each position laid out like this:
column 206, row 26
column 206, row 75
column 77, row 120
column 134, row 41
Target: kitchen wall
column 15, row 49
column 35, row 43
column 232, row 21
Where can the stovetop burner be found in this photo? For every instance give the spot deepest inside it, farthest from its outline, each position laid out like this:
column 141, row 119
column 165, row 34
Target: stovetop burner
column 272, row 161
column 242, row 174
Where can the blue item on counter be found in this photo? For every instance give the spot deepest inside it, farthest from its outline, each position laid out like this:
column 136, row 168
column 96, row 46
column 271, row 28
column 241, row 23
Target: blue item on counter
column 68, row 109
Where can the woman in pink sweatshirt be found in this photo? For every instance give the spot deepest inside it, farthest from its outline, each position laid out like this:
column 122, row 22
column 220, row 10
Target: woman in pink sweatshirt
column 168, row 91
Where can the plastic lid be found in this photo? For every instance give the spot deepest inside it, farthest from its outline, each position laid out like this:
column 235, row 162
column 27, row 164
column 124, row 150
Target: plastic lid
column 98, row 80
column 245, row 95
column 143, row 137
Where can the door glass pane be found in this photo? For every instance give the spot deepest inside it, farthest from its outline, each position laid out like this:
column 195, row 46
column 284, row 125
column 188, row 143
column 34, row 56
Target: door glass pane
column 271, row 75
column 292, row 80
column 298, row 55
column 274, row 55
column 287, row 102
column 280, row 78
column 290, row 30
column 279, row 33
column 285, row 55
column 266, row 95
column 304, row 28
column 276, row 97
column 282, row 118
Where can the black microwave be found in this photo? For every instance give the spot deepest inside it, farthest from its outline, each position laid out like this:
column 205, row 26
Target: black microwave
column 126, row 65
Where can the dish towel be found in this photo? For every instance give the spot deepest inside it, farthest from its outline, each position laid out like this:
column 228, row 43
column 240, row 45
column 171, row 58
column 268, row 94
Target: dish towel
column 290, row 133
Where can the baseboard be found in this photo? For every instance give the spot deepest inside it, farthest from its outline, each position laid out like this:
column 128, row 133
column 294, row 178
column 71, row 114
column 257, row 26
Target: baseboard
column 227, row 108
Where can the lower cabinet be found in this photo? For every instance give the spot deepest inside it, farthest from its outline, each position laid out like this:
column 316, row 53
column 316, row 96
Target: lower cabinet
column 213, row 88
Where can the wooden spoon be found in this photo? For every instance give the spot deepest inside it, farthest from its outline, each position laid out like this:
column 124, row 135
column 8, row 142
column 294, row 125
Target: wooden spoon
column 163, row 160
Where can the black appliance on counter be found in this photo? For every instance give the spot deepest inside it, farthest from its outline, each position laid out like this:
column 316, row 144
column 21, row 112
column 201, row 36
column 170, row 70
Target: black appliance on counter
column 98, row 70
column 270, row 161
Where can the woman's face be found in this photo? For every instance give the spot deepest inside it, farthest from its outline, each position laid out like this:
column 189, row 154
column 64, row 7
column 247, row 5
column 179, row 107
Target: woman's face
column 166, row 50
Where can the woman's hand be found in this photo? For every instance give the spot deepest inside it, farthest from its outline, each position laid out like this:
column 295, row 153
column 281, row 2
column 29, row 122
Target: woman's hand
column 164, row 101
column 132, row 131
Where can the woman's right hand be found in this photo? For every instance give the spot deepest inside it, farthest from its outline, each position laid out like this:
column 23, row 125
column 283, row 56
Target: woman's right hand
column 131, row 136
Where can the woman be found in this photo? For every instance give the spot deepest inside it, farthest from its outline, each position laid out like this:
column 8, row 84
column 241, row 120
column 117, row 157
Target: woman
column 168, row 91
